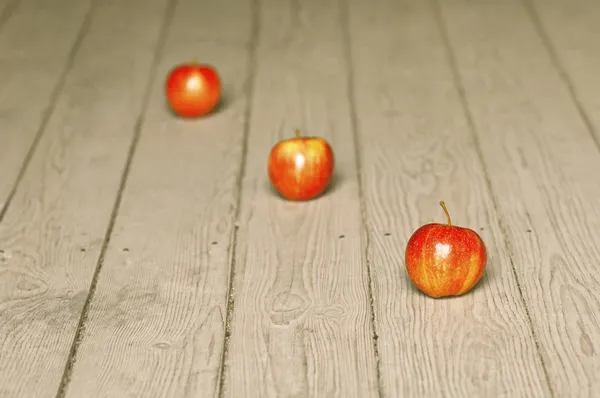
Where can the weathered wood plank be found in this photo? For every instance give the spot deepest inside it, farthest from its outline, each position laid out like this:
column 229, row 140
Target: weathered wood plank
column 36, row 41
column 542, row 163
column 301, row 319
column 156, row 326
column 416, row 150
column 570, row 30
column 53, row 231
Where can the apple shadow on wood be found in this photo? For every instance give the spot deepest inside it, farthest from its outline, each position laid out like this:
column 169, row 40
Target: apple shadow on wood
column 334, row 184
column 224, row 101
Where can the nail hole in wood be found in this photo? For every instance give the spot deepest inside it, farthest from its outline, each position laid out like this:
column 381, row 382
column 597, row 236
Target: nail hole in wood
column 126, row 249
column 82, row 249
column 214, row 242
column 342, row 236
column 481, row 229
column 387, row 234
column 528, row 230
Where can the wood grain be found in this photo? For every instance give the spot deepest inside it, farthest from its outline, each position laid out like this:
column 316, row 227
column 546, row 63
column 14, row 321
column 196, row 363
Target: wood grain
column 54, row 229
column 542, row 163
column 35, row 45
column 570, row 30
column 301, row 317
column 156, row 326
column 416, row 149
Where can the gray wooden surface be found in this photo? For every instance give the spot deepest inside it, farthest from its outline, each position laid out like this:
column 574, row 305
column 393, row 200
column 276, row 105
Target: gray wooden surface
column 143, row 255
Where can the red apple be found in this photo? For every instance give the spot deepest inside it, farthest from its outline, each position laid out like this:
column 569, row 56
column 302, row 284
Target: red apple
column 445, row 260
column 193, row 90
column 300, row 168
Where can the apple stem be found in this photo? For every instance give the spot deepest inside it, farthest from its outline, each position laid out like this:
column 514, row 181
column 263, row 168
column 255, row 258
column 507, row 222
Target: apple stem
column 446, row 211
column 297, row 133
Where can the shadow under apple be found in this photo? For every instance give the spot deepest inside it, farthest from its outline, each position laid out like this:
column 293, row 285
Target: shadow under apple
column 224, row 102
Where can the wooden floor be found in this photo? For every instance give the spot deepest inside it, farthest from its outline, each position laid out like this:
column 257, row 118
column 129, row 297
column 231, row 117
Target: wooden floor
column 142, row 255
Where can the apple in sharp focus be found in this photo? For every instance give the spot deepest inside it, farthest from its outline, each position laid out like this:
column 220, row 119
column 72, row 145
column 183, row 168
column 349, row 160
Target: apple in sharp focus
column 444, row 259
column 192, row 90
column 301, row 167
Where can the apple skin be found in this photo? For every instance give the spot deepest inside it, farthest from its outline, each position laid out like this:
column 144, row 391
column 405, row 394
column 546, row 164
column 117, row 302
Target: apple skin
column 193, row 90
column 300, row 168
column 445, row 260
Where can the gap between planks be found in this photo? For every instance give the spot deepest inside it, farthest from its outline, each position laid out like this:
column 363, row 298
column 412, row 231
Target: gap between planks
column 347, row 47
column 250, row 83
column 64, row 383
column 7, row 12
column 473, row 133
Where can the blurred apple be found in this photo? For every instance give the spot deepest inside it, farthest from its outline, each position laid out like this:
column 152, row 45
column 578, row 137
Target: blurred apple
column 300, row 168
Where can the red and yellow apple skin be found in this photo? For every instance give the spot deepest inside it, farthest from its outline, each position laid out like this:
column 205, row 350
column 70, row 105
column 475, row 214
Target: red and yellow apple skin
column 193, row 90
column 445, row 260
column 300, row 168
